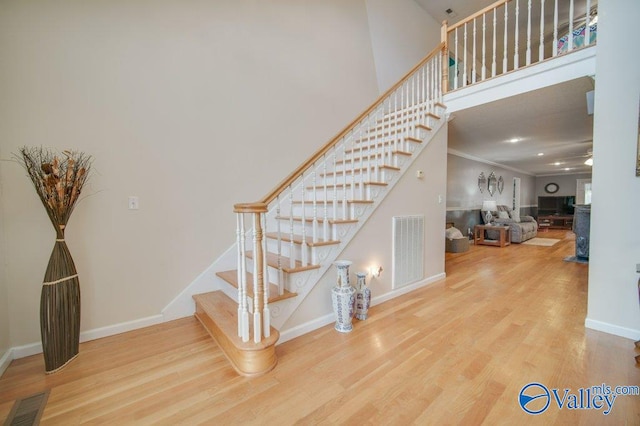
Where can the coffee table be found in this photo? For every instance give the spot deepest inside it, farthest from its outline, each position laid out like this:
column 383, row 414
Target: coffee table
column 504, row 235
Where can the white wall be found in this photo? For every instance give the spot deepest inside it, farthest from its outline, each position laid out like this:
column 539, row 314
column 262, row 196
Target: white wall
column 566, row 184
column 615, row 249
column 402, row 33
column 192, row 106
column 4, row 300
column 372, row 246
column 462, row 184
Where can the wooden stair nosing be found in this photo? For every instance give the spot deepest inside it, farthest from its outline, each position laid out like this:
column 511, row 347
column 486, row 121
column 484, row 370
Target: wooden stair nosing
column 232, row 278
column 362, row 169
column 380, row 143
column 272, row 260
column 218, row 314
column 342, row 185
column 321, row 203
column 309, row 220
column 378, row 154
column 297, row 239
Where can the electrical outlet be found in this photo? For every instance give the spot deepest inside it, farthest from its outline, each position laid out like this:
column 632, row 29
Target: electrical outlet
column 134, row 202
column 419, row 174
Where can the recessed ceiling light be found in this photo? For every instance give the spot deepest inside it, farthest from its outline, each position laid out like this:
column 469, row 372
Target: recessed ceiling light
column 540, row 154
column 557, row 163
column 566, row 169
column 514, row 140
column 589, row 161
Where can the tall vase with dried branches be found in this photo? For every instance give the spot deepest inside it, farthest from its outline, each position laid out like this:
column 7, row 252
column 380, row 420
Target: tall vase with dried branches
column 58, row 178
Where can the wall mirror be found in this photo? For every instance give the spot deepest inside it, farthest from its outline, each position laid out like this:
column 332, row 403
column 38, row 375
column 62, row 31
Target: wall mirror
column 500, row 184
column 492, row 184
column 482, row 182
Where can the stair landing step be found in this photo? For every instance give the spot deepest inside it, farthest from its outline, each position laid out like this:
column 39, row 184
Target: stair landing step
column 297, row 239
column 218, row 314
column 232, row 278
column 272, row 260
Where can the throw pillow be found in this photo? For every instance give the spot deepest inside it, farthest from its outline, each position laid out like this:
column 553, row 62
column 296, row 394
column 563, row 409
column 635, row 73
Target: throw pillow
column 453, row 233
column 503, row 215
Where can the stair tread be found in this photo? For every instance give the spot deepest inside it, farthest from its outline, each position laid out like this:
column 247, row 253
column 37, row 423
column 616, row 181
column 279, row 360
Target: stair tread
column 224, row 312
column 232, row 278
column 298, row 239
column 361, row 169
column 369, row 144
column 333, row 185
column 331, row 221
column 377, row 154
column 272, row 260
column 321, row 202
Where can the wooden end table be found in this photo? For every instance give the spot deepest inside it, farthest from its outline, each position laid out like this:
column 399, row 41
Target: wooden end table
column 504, row 235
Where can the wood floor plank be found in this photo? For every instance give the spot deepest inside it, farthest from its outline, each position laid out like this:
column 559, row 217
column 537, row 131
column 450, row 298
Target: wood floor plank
column 455, row 352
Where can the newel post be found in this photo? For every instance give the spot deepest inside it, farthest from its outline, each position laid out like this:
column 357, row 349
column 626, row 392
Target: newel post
column 260, row 308
column 445, row 56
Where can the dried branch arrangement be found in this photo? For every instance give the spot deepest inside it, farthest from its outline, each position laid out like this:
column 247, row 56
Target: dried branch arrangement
column 58, row 179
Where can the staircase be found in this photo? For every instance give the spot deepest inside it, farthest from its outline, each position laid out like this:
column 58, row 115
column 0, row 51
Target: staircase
column 290, row 238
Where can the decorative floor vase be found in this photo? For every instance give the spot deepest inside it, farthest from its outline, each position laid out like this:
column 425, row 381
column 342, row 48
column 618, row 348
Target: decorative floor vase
column 363, row 296
column 343, row 298
column 60, row 309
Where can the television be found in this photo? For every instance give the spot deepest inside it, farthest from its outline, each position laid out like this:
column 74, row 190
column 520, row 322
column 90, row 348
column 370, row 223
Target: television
column 556, row 206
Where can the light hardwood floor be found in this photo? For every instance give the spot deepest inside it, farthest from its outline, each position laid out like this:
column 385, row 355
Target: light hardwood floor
column 456, row 352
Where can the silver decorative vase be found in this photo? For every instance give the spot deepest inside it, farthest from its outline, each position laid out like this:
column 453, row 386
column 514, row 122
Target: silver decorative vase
column 363, row 297
column 343, row 297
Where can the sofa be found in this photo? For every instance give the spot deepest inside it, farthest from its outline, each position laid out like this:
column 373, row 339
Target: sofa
column 521, row 228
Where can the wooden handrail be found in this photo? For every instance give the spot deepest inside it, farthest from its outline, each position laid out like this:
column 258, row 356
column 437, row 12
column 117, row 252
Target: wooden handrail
column 319, row 153
column 477, row 14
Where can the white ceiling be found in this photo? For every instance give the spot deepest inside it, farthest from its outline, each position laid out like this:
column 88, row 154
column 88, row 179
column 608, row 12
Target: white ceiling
column 553, row 121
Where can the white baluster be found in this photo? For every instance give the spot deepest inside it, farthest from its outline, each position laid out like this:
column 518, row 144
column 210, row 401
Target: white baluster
column 279, row 232
column 304, row 255
column 239, row 273
column 335, row 182
column 587, row 29
column 464, row 61
column 528, row 57
column 541, row 48
column 344, row 180
column 473, row 55
column 555, row 28
column 314, row 230
column 506, row 32
column 571, row 12
column 325, row 222
column 456, row 65
column 266, row 315
column 395, row 127
column 353, row 163
column 292, row 247
column 439, row 77
column 516, row 55
column 428, row 94
column 484, row 46
column 242, row 284
column 257, row 320
column 495, row 30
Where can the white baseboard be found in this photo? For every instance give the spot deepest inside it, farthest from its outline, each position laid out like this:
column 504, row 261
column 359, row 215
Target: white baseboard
column 305, row 328
column 616, row 330
column 315, row 324
column 6, row 360
column 36, row 348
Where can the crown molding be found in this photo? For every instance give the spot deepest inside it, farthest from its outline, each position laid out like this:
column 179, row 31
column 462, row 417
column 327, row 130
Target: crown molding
column 482, row 160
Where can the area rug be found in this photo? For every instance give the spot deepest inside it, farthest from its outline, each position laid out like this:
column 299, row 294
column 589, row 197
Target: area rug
column 575, row 259
column 545, row 242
